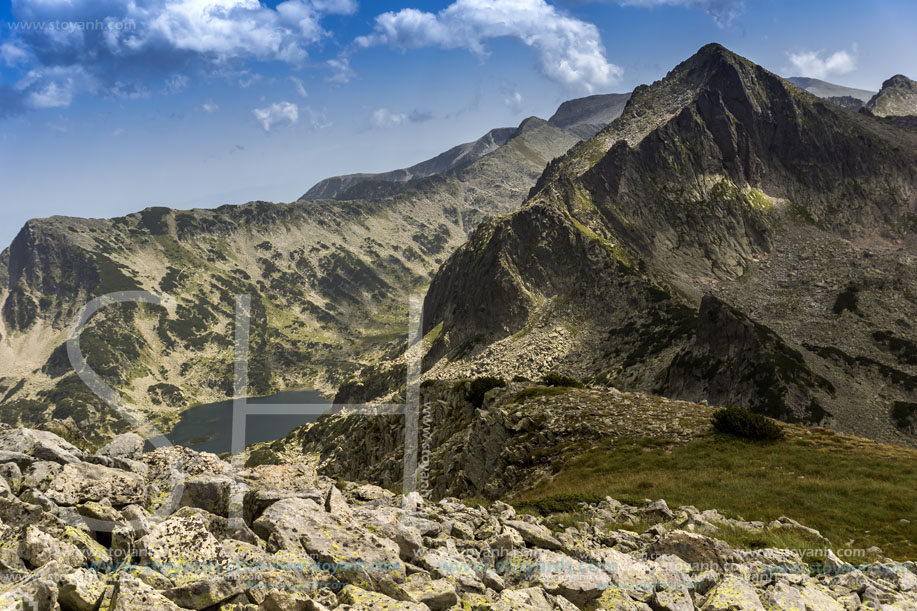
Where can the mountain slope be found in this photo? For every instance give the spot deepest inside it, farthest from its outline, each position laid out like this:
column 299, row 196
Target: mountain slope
column 824, row 89
column 720, row 179
column 897, row 98
column 583, row 117
column 329, row 281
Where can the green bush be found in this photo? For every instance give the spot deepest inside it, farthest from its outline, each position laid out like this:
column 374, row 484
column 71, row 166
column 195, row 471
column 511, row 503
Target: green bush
column 476, row 389
column 745, row 424
column 557, row 503
column 518, row 378
column 559, row 379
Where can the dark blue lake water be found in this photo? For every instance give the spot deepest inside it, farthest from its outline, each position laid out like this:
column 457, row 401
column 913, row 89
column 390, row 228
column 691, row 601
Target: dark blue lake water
column 208, row 427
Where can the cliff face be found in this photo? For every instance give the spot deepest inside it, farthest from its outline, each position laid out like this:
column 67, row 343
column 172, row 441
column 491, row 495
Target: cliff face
column 724, row 179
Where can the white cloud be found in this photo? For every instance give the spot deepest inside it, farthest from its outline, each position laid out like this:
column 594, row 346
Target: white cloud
column 570, row 51
column 812, row 64
column 513, row 99
column 177, row 83
column 129, row 41
column 383, row 118
column 209, row 106
column 52, row 87
column 12, row 55
column 297, row 83
column 276, row 115
column 722, row 11
column 342, row 72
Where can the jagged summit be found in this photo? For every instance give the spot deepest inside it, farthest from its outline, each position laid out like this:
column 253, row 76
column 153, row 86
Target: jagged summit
column 721, row 178
column 897, row 98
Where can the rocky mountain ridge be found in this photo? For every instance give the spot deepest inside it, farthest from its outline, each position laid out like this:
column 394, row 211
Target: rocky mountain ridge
column 721, row 179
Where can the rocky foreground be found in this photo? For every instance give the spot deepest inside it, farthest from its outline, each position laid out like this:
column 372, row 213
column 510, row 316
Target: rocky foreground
column 170, row 529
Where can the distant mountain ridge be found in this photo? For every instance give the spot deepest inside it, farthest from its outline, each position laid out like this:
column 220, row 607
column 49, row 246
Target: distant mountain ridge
column 330, row 281
column 824, row 89
column 583, row 117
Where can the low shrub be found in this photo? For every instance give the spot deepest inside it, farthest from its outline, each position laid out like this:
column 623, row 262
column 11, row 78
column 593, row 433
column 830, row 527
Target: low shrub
column 559, row 379
column 746, row 424
column 476, row 389
column 557, row 503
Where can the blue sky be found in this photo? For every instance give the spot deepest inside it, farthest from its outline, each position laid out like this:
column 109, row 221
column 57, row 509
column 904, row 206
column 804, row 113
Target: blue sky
column 108, row 106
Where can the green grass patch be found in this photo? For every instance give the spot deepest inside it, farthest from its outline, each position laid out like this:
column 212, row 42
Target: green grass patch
column 845, row 489
column 746, row 425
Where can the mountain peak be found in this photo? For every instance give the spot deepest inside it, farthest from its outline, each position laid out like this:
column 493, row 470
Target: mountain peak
column 897, row 98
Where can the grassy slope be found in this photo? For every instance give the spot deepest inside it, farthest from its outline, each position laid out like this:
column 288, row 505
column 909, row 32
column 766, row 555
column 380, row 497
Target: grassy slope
column 856, row 492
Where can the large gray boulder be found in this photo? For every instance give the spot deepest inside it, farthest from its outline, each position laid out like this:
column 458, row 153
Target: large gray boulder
column 128, row 446
column 41, row 445
column 81, row 590
column 349, row 551
column 81, row 482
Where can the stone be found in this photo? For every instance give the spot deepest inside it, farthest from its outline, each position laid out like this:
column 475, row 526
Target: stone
column 694, row 549
column 40, row 474
column 11, row 475
column 671, row 600
column 128, row 446
column 732, row 594
column 36, row 592
column 363, row 600
column 81, row 482
column 209, row 492
column 493, row 580
column 784, row 597
column 131, row 594
column 20, row 459
column 42, row 445
column 336, row 503
column 437, row 594
column 206, row 592
column 38, row 548
column 816, row 599
column 81, row 589
column 558, row 574
column 535, row 534
column 179, row 547
column 354, row 554
column 369, row 492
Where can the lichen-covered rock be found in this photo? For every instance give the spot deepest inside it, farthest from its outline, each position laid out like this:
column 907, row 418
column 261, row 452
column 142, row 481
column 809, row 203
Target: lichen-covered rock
column 535, row 535
column 350, row 552
column 208, row 492
column 131, row 594
column 732, row 594
column 81, row 589
column 364, row 600
column 692, row 548
column 128, row 446
column 81, row 482
column 38, row 548
column 783, row 597
column 206, row 592
column 42, row 445
column 180, row 547
column 437, row 594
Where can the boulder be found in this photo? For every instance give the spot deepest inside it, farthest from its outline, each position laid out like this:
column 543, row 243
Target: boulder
column 351, row 553
column 694, row 549
column 732, row 594
column 209, row 492
column 128, row 446
column 41, row 445
column 816, row 599
column 784, row 597
column 81, row 482
column 81, row 589
column 11, row 475
column 558, row 574
column 131, row 594
column 364, row 600
column 437, row 594
column 180, row 547
column 535, row 534
column 336, row 503
column 40, row 474
column 37, row 592
column 38, row 548
column 206, row 592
